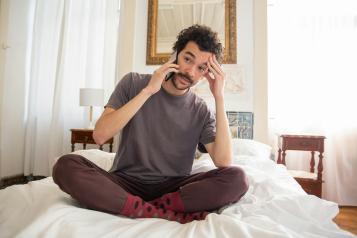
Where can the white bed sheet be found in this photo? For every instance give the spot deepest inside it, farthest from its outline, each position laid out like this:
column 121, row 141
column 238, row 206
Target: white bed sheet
column 274, row 206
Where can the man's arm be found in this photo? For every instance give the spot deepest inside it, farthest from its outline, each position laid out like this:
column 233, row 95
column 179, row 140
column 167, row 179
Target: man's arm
column 221, row 149
column 112, row 121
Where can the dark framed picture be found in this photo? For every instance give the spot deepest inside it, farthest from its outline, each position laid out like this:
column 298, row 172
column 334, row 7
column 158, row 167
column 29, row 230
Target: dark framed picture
column 241, row 124
column 232, row 118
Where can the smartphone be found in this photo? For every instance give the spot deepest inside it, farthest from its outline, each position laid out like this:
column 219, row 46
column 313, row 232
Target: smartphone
column 171, row 74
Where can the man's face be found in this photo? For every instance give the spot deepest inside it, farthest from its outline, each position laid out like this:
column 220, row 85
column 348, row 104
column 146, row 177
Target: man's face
column 192, row 66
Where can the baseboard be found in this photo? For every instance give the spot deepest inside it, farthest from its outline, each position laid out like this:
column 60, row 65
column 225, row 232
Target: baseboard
column 18, row 179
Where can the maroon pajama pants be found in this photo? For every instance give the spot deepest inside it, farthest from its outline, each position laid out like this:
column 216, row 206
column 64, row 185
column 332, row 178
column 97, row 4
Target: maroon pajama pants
column 99, row 190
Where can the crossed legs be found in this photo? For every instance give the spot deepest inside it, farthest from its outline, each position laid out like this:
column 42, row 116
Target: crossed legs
column 117, row 193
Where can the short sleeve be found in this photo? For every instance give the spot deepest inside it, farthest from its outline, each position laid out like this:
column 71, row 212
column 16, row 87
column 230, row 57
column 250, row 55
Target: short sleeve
column 208, row 133
column 121, row 94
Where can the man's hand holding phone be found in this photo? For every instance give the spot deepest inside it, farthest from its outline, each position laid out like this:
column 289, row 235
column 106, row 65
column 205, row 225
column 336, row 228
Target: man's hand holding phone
column 171, row 74
column 160, row 74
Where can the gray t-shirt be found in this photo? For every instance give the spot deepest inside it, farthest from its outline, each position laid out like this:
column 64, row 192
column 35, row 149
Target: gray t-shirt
column 159, row 142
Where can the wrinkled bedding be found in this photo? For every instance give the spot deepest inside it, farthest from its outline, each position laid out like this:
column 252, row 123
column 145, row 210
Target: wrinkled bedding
column 274, row 206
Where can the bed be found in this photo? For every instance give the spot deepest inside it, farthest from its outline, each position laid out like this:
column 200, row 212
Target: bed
column 274, row 206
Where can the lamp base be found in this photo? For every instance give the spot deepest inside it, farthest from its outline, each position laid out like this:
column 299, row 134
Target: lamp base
column 90, row 125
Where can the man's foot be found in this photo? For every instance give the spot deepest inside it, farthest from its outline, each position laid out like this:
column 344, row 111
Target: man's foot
column 169, row 201
column 135, row 207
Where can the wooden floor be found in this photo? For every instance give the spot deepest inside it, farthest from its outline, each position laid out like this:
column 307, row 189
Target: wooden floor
column 347, row 219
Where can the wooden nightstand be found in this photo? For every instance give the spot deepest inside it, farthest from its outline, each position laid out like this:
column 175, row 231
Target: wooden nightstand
column 85, row 136
column 309, row 181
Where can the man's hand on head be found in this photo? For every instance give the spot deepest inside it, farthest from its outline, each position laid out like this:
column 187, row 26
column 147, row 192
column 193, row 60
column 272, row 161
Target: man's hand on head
column 159, row 75
column 217, row 82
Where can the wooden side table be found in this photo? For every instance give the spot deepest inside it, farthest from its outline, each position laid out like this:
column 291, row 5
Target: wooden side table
column 309, row 181
column 85, row 136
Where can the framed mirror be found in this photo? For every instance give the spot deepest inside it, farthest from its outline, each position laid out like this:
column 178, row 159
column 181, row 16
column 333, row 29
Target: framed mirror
column 166, row 18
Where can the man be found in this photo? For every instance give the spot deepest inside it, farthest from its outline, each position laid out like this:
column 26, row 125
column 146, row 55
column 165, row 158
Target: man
column 162, row 122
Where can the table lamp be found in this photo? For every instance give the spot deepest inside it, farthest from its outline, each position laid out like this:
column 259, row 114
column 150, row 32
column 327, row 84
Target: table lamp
column 91, row 97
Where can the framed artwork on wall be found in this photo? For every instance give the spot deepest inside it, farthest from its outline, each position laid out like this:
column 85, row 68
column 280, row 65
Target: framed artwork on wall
column 241, row 124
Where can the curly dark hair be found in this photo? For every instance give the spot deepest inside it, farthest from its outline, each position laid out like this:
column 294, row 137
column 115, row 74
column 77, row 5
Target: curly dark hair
column 206, row 39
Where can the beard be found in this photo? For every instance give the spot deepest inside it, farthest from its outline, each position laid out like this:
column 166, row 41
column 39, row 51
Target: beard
column 185, row 77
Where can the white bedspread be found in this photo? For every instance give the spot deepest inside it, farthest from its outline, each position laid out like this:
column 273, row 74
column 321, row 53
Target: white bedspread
column 274, row 206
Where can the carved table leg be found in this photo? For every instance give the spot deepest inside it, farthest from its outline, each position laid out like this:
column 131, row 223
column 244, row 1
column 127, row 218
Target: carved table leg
column 284, row 154
column 312, row 162
column 320, row 167
column 279, row 156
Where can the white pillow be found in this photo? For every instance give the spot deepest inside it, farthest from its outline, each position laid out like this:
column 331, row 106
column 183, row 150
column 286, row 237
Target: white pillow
column 101, row 158
column 251, row 148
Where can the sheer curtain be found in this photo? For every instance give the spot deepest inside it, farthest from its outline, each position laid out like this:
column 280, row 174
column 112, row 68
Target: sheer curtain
column 73, row 46
column 312, row 82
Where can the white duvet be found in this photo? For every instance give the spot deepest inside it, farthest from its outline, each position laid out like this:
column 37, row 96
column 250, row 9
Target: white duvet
column 274, row 206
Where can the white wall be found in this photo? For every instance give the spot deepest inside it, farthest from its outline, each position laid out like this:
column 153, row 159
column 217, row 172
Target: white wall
column 3, row 32
column 260, row 64
column 251, row 47
column 14, row 18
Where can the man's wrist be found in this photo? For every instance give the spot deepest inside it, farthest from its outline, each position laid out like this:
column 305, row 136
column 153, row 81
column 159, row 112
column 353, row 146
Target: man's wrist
column 219, row 98
column 146, row 91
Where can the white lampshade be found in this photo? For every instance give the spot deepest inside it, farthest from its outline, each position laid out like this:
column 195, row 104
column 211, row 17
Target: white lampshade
column 91, row 97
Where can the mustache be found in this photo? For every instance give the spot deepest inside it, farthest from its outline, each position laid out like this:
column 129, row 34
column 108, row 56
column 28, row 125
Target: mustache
column 185, row 76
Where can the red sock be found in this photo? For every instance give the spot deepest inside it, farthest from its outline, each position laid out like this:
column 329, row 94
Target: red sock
column 135, row 207
column 169, row 201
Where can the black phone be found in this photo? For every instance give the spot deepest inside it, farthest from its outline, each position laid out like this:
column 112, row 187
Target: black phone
column 171, row 74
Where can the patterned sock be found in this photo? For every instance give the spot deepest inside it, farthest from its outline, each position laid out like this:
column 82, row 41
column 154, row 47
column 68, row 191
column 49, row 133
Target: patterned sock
column 169, row 201
column 136, row 207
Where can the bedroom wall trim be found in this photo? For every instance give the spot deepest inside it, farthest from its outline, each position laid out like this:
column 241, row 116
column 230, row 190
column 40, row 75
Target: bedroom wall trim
column 126, row 47
column 3, row 36
column 260, row 71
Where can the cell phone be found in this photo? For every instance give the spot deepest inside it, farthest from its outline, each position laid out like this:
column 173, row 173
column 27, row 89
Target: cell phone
column 171, row 74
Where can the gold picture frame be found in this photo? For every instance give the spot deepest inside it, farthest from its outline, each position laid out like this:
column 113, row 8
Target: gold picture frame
column 230, row 44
